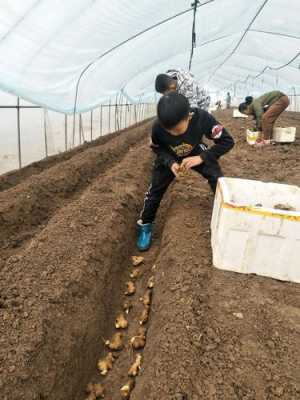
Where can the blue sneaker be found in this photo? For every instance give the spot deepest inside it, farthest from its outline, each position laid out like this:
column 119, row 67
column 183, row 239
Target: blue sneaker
column 144, row 236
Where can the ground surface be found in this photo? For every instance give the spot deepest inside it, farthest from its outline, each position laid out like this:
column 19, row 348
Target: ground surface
column 67, row 233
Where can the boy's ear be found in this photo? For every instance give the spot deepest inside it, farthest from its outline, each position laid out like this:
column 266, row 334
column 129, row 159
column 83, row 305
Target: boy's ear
column 173, row 86
column 190, row 115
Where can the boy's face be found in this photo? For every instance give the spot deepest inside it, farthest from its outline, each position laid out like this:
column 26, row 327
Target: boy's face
column 181, row 127
column 172, row 88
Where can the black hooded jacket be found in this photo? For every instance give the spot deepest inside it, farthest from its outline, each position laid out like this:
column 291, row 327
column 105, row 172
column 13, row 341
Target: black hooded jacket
column 170, row 148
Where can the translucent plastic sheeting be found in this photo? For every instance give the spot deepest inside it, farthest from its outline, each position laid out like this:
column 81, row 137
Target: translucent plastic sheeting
column 45, row 133
column 47, row 44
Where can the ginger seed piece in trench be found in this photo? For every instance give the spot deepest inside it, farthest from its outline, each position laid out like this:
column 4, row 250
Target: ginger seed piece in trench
column 130, row 288
column 136, row 366
column 137, row 260
column 126, row 390
column 106, row 364
column 99, row 390
column 116, row 343
column 139, row 341
column 136, row 273
column 145, row 315
column 183, row 172
column 121, row 322
column 150, row 283
column 146, row 299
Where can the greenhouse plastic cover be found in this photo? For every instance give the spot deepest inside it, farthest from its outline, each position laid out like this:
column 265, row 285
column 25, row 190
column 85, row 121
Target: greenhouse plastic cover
column 46, row 45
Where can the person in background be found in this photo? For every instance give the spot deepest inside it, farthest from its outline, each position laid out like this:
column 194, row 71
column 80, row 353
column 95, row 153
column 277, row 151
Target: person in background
column 228, row 100
column 177, row 141
column 266, row 110
column 182, row 82
column 207, row 103
column 219, row 105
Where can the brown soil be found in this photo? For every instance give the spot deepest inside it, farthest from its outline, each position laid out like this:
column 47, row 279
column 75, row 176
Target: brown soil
column 26, row 207
column 66, row 245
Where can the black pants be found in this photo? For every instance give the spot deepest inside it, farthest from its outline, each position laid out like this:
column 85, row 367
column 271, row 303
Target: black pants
column 162, row 177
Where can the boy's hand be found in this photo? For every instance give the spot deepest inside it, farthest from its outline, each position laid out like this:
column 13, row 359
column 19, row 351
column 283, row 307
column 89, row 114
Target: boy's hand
column 191, row 162
column 175, row 168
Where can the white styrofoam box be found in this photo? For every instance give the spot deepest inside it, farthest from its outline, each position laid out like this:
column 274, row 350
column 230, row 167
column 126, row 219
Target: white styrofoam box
column 284, row 135
column 250, row 235
column 237, row 114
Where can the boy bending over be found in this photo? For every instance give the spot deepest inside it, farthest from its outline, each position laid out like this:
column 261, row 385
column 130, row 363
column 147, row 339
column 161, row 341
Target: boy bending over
column 183, row 82
column 177, row 141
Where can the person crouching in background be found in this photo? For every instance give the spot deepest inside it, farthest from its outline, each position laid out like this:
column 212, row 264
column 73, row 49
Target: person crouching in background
column 266, row 110
column 183, row 82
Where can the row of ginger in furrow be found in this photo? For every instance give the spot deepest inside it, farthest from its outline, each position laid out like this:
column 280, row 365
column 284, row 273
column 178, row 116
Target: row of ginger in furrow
column 117, row 343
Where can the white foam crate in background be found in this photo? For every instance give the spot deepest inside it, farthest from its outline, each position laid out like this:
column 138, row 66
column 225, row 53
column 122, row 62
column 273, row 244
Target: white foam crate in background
column 237, row 114
column 251, row 235
column 284, row 135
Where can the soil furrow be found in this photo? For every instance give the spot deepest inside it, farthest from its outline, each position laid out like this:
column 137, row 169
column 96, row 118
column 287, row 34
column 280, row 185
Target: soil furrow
column 26, row 208
column 57, row 297
column 118, row 376
column 13, row 178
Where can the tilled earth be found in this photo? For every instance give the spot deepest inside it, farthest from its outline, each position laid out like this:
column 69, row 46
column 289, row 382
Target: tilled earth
column 67, row 235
